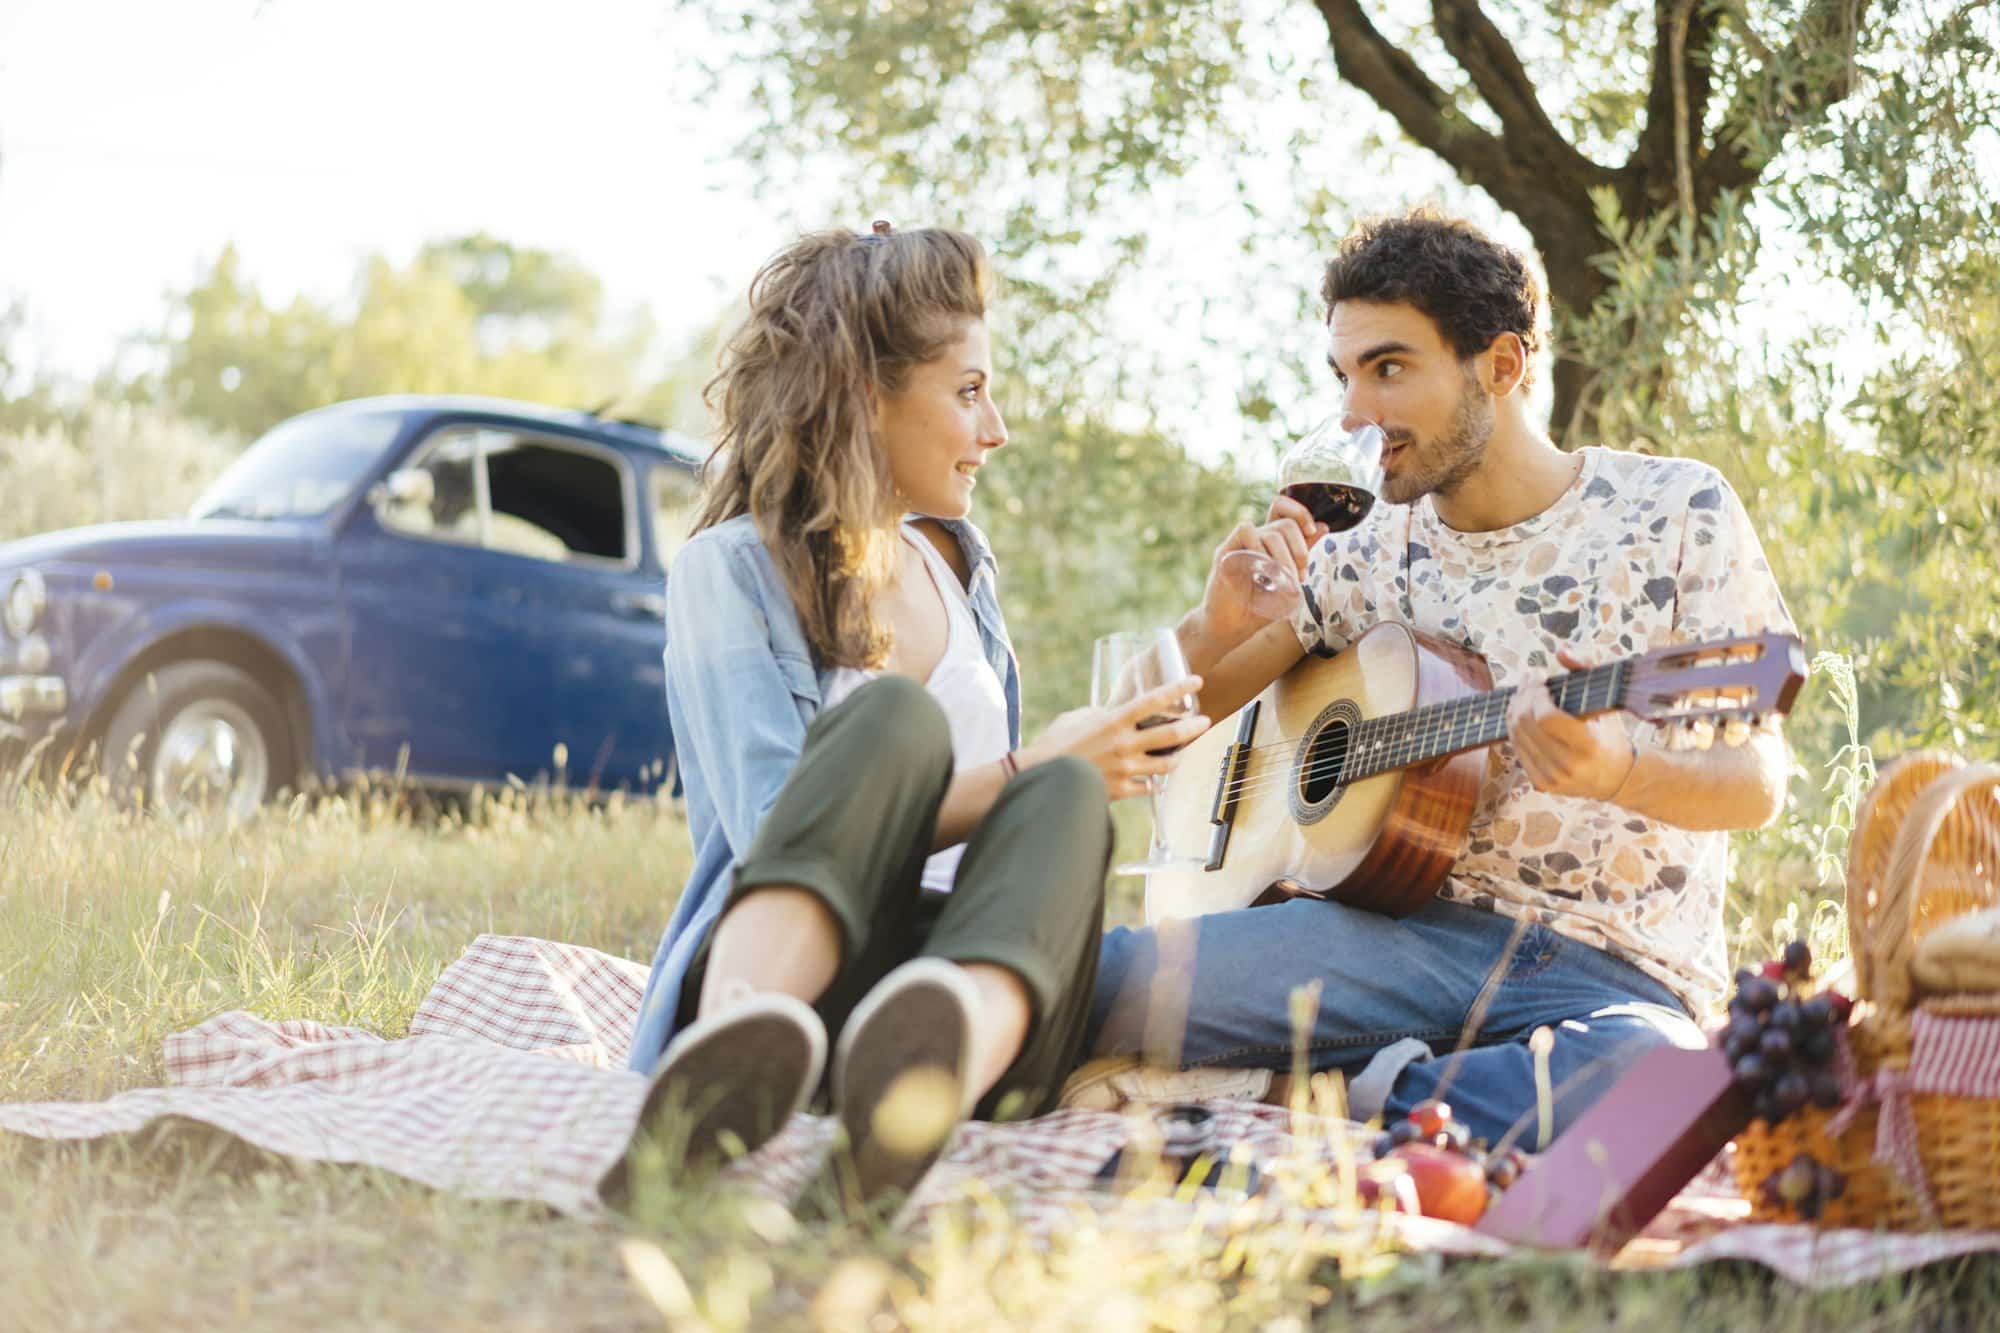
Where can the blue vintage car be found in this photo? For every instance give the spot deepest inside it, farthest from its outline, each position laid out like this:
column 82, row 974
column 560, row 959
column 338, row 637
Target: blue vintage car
column 459, row 589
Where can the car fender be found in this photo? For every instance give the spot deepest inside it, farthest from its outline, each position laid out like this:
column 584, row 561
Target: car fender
column 102, row 669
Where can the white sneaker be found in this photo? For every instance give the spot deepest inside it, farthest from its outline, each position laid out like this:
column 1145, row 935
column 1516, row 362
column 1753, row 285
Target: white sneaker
column 728, row 1083
column 902, row 1074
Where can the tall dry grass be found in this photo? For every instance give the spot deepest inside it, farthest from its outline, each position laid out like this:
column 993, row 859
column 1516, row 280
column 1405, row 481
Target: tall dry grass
column 115, row 930
column 118, row 462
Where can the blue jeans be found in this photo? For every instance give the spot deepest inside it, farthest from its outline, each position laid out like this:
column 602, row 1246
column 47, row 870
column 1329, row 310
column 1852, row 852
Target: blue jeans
column 1395, row 999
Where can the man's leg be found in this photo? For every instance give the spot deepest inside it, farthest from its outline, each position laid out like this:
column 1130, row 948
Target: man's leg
column 1217, row 990
column 1602, row 1014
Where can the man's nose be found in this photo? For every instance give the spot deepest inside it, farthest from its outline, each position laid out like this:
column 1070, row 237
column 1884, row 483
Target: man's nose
column 1353, row 415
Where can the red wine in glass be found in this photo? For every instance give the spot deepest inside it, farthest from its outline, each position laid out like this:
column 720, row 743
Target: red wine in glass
column 1338, row 505
column 1335, row 473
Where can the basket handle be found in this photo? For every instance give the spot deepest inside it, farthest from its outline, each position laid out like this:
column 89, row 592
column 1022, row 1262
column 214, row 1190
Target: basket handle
column 1889, row 938
column 1896, row 785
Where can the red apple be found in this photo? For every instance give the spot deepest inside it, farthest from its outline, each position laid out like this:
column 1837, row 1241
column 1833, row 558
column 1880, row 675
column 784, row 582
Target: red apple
column 1449, row 1185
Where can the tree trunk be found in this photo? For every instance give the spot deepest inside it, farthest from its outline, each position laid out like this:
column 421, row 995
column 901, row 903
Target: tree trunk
column 1574, row 286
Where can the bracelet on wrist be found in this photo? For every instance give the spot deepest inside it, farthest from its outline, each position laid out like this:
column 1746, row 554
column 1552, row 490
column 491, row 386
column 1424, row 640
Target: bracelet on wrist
column 1630, row 769
column 1010, row 767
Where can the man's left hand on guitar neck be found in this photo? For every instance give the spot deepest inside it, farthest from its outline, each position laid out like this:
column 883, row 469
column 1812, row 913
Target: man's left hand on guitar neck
column 1726, row 787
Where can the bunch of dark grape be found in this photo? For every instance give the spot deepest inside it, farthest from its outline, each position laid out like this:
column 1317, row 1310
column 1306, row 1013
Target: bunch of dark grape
column 1780, row 1040
column 1807, row 1185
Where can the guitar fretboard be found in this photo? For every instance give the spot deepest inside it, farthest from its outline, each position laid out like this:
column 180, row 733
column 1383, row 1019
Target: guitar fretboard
column 1401, row 740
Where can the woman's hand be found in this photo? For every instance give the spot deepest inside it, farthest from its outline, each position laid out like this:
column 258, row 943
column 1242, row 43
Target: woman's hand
column 1286, row 536
column 1111, row 740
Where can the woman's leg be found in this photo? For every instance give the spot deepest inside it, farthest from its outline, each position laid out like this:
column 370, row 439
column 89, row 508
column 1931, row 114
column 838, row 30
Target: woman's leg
column 1023, row 918
column 822, row 905
column 824, row 900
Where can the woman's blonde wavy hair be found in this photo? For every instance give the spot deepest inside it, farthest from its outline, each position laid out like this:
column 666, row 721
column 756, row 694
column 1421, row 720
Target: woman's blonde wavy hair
column 834, row 319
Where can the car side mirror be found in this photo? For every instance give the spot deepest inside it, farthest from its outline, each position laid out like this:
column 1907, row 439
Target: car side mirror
column 403, row 491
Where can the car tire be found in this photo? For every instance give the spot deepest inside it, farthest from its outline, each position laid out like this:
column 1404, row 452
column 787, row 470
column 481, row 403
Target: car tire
column 223, row 727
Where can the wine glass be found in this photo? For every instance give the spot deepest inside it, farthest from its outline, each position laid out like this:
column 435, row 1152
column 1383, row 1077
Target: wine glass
column 1336, row 473
column 1130, row 663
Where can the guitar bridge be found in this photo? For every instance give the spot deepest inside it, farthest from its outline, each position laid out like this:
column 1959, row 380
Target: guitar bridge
column 1229, row 790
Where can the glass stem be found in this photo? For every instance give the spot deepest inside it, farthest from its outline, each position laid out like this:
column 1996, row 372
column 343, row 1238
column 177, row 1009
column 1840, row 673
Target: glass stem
column 1156, row 788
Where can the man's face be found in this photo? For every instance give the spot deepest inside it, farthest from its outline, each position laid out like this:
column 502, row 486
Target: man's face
column 1398, row 372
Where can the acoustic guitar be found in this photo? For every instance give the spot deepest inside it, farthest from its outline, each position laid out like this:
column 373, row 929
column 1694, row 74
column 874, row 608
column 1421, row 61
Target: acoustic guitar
column 1354, row 777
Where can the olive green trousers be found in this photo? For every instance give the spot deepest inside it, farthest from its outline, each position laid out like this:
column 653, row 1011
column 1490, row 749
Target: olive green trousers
column 853, row 825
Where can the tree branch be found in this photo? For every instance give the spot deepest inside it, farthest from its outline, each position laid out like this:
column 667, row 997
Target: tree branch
column 1818, row 68
column 1488, row 58
column 1548, row 188
column 1677, row 102
column 1383, row 70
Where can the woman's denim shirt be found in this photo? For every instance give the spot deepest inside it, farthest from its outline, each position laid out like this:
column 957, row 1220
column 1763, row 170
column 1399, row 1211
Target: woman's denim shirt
column 741, row 689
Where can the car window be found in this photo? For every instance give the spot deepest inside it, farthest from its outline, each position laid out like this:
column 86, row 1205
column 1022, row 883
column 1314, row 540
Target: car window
column 520, row 494
column 300, row 469
column 675, row 492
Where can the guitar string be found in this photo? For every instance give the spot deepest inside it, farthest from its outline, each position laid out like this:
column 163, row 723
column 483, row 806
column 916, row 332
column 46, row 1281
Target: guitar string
column 1266, row 776
column 1434, row 723
column 1469, row 704
column 1477, row 709
column 1404, row 749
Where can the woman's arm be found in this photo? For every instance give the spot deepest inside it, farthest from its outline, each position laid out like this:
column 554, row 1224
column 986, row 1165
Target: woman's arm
column 733, row 702
column 1108, row 739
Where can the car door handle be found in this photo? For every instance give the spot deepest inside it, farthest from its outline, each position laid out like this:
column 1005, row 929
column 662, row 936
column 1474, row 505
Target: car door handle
column 640, row 605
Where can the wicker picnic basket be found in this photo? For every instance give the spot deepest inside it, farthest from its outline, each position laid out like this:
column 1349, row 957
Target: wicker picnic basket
column 1926, row 849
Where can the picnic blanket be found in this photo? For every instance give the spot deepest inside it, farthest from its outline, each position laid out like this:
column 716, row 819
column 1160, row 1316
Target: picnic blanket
column 511, row 1085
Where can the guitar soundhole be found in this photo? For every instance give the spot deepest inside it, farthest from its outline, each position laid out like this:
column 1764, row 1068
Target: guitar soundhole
column 1326, row 757
column 1319, row 779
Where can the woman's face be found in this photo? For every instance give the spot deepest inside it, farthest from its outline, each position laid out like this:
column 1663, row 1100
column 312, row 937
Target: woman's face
column 940, row 426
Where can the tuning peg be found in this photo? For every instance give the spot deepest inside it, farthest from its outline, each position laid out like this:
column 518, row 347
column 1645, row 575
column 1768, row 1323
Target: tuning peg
column 1735, row 730
column 1701, row 733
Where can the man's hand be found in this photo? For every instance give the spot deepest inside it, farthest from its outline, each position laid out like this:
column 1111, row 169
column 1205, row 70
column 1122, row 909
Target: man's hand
column 1286, row 536
column 1564, row 755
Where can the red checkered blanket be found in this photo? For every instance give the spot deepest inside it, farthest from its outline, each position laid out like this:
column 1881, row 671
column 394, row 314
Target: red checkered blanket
column 511, row 1085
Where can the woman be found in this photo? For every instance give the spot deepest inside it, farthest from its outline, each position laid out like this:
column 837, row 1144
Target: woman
column 878, row 858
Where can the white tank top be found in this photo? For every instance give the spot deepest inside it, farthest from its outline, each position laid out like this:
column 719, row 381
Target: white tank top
column 965, row 686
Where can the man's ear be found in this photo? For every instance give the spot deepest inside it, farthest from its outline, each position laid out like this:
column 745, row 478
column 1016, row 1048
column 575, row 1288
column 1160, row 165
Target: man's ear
column 1506, row 360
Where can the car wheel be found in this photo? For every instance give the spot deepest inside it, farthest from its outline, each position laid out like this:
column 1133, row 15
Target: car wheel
column 198, row 738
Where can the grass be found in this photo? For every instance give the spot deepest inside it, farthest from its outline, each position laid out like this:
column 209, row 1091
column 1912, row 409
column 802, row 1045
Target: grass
column 116, row 931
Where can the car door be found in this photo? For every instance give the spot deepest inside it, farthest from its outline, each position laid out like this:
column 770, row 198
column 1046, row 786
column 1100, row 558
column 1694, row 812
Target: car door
column 489, row 593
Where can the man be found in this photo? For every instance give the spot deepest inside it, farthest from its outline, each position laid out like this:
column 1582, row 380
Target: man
column 1588, row 898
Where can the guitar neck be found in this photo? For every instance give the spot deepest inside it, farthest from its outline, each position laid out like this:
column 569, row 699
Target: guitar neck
column 1404, row 740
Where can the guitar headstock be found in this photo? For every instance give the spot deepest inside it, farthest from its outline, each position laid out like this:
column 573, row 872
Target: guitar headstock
column 1720, row 689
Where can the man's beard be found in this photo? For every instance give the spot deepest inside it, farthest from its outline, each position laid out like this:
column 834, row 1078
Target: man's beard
column 1442, row 464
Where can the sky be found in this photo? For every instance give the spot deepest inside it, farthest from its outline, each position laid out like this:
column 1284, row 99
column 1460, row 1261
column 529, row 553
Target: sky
column 137, row 137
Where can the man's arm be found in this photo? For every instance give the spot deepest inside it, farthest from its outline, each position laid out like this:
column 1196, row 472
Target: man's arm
column 1234, row 675
column 1724, row 787
column 1235, row 653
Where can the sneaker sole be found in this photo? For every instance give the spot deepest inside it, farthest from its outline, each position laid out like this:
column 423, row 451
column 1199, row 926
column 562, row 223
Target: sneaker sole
column 726, row 1092
column 900, row 1080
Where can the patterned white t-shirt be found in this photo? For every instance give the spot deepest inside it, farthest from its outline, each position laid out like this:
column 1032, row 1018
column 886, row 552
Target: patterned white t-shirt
column 1638, row 553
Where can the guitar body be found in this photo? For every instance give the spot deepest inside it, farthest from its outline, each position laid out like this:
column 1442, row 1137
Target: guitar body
column 1384, row 843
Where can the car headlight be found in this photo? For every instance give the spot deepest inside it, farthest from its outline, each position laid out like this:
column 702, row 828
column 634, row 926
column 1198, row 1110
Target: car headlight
column 34, row 655
column 27, row 598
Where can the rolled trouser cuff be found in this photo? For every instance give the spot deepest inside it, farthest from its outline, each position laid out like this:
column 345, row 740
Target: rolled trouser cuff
column 1368, row 1091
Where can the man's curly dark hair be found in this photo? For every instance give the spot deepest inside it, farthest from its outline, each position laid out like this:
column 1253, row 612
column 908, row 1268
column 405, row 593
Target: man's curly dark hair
column 1472, row 287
